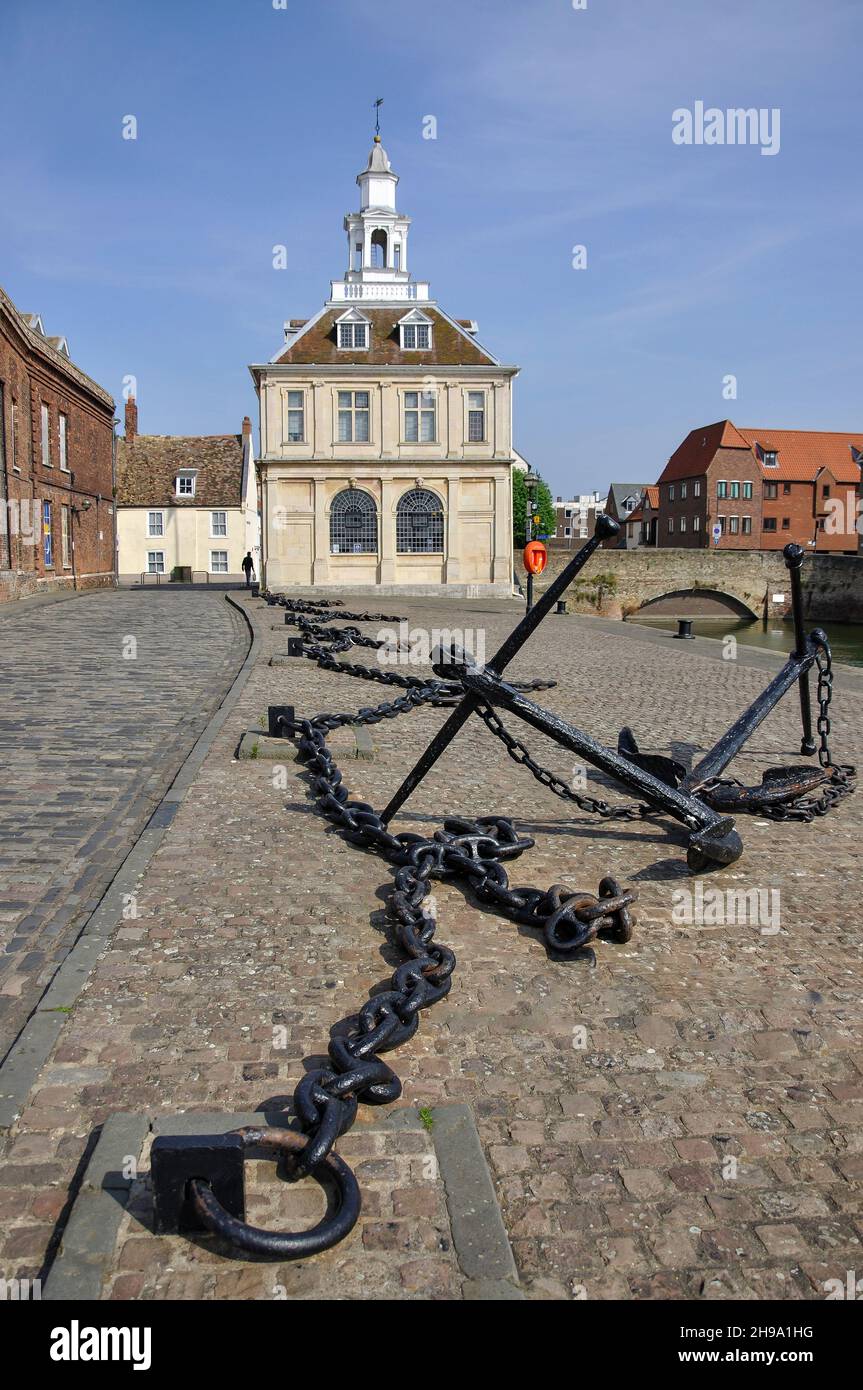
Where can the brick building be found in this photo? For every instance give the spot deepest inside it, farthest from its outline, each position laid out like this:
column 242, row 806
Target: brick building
column 56, row 464
column 575, row 517
column 763, row 488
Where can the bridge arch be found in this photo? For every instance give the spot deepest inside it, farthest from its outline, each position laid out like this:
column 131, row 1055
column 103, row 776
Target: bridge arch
column 698, row 602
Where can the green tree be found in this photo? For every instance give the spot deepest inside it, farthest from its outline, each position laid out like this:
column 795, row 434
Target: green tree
column 543, row 507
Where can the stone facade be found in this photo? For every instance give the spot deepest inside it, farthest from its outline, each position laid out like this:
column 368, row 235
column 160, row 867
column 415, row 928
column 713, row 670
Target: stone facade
column 386, row 431
column 618, row 584
column 56, row 464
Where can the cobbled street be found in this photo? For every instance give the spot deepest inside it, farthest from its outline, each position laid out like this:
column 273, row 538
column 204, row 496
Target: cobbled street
column 679, row 1119
column 101, row 697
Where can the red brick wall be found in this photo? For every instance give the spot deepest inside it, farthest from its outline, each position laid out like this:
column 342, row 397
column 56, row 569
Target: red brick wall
column 796, row 509
column 703, row 510
column 28, row 380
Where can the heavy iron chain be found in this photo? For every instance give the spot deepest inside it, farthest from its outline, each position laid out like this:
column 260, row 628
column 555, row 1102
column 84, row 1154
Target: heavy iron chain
column 326, row 1098
column 842, row 775
column 804, row 809
column 634, row 810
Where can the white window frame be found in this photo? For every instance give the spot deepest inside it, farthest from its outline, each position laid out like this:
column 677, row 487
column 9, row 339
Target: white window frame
column 158, row 535
column 421, row 411
column 696, row 488
column 65, row 537
column 296, row 410
column 682, row 524
column 221, row 569
column 771, row 458
column 214, row 534
column 347, row 337
column 413, row 331
column 155, row 558
column 185, row 476
column 671, row 526
column 45, row 416
column 671, row 492
column 63, row 440
column 353, row 410
column 683, row 492
column 734, row 526
column 13, row 420
column 476, row 410
column 746, row 526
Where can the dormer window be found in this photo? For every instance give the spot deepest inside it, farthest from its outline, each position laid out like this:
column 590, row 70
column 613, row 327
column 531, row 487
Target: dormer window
column 416, row 332
column 353, row 335
column 770, row 459
column 185, row 484
column 416, row 335
column 352, row 331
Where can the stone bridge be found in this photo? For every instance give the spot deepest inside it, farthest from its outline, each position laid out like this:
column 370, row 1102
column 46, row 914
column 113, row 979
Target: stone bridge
column 753, row 583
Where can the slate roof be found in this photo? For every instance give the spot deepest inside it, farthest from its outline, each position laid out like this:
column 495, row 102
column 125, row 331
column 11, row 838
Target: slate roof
column 451, row 345
column 619, row 491
column 147, row 468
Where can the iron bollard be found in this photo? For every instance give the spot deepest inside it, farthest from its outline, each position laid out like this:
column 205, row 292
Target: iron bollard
column 275, row 715
column 684, row 629
column 561, row 607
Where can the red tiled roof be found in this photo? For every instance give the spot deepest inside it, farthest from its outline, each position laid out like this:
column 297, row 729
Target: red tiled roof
column 691, row 458
column 800, row 453
column 637, row 515
column 653, row 497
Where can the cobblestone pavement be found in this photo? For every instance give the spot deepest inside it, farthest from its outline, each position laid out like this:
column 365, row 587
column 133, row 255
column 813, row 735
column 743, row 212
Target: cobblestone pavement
column 680, row 1120
column 90, row 739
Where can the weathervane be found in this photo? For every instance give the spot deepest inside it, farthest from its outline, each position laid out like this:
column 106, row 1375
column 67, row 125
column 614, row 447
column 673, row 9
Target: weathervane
column 378, row 104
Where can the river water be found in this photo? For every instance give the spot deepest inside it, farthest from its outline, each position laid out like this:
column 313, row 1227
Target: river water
column 846, row 639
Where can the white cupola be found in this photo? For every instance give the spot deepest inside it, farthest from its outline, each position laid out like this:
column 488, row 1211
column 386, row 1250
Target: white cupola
column 378, row 239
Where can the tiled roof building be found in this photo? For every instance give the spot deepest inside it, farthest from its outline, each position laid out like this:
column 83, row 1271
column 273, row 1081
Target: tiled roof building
column 761, row 488
column 185, row 502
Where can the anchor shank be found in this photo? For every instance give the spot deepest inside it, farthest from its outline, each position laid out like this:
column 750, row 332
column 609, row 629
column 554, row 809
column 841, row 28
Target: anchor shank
column 605, row 527
column 721, row 754
column 683, row 807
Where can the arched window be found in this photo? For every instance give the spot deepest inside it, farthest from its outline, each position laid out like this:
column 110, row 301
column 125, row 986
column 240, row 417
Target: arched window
column 379, row 250
column 353, row 523
column 419, row 522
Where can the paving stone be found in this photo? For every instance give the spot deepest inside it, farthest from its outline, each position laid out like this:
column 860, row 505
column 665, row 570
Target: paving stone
column 261, row 929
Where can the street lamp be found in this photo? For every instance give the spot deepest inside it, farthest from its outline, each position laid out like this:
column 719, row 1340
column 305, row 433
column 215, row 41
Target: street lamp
column 531, row 482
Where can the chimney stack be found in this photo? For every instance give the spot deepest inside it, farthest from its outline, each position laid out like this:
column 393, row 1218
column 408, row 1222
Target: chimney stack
column 247, row 425
column 131, row 419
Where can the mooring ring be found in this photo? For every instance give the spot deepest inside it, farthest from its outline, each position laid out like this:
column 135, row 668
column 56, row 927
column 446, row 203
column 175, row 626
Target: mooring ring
column 283, row 1245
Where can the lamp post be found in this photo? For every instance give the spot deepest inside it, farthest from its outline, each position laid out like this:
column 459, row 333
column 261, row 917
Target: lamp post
column 530, row 484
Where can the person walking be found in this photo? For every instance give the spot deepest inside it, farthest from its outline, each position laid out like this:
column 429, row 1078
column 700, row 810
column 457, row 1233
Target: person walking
column 248, row 567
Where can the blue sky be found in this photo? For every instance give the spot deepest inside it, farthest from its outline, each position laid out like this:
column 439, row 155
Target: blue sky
column 154, row 256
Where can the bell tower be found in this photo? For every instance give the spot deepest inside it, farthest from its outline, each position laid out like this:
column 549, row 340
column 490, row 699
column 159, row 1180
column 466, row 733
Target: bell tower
column 378, row 233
